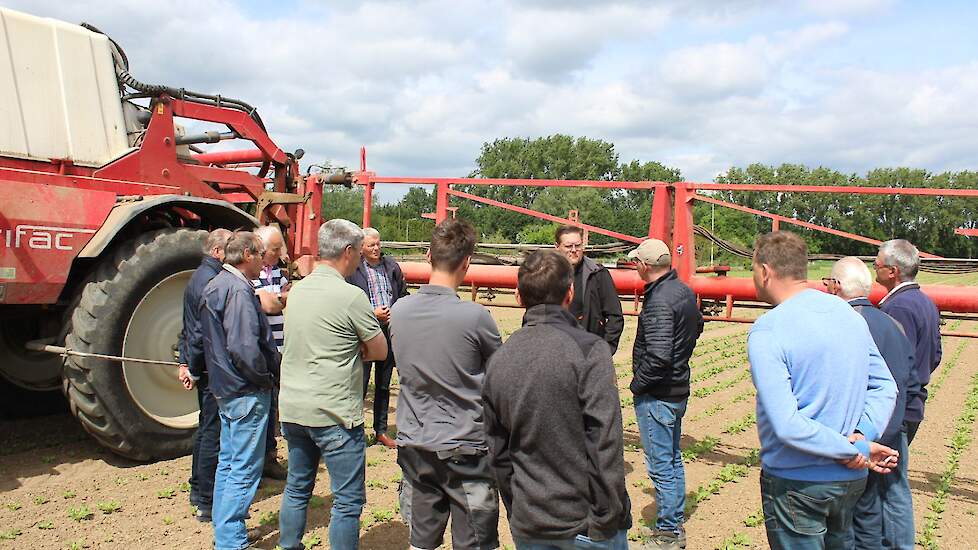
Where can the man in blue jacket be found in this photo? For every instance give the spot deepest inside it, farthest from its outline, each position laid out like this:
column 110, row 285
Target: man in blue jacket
column 381, row 279
column 193, row 372
column 820, row 379
column 896, row 267
column 243, row 366
column 883, row 516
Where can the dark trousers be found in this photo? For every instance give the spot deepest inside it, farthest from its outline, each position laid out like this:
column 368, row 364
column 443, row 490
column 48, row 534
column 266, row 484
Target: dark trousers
column 382, row 385
column 270, row 443
column 459, row 486
column 207, row 443
column 803, row 515
column 911, row 429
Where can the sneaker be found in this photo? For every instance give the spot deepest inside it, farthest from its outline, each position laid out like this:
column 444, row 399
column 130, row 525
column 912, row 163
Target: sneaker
column 664, row 540
column 203, row 516
column 681, row 537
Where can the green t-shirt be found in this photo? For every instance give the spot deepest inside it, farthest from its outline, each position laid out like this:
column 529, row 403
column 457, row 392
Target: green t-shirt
column 322, row 373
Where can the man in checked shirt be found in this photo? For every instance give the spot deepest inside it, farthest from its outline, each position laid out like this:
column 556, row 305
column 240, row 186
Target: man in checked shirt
column 380, row 277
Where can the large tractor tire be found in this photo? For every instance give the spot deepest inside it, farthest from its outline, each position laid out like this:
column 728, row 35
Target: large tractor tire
column 133, row 307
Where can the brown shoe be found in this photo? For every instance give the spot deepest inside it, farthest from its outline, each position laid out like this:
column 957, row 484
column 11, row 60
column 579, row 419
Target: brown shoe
column 386, row 441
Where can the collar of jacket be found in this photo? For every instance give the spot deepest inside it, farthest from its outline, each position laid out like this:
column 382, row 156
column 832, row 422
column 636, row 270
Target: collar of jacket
column 212, row 262
column 649, row 287
column 902, row 287
column 543, row 314
column 589, row 266
column 863, row 301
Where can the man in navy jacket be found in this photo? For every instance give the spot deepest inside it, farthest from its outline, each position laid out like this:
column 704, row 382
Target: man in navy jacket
column 896, row 267
column 883, row 516
column 193, row 372
column 243, row 367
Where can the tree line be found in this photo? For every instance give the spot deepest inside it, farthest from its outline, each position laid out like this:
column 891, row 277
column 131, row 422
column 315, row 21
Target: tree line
column 928, row 222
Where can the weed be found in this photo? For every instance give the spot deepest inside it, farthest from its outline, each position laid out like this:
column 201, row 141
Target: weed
column 312, row 540
column 316, row 502
column 80, row 513
column 396, row 478
column 167, row 520
column 142, row 476
column 735, row 542
column 627, row 401
column 109, row 507
column 10, row 534
column 268, row 518
column 164, row 472
column 14, row 506
column 120, row 481
column 77, row 545
column 40, row 499
column 45, row 525
column 641, row 484
column 184, row 487
column 377, row 484
column 383, row 516
column 371, row 462
column 166, row 493
column 754, row 519
column 69, row 494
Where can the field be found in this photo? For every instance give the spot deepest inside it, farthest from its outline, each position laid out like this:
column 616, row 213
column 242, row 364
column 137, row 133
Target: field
column 58, row 489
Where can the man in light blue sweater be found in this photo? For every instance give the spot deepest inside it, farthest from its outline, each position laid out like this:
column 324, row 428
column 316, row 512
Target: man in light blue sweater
column 824, row 395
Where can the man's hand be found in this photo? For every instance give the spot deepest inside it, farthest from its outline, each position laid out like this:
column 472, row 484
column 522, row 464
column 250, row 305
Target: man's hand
column 185, row 379
column 383, row 314
column 857, row 462
column 882, row 459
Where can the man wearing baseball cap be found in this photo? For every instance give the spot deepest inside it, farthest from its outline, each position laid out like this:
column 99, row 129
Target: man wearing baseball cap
column 668, row 327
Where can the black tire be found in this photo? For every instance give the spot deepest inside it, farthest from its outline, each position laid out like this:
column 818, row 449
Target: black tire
column 97, row 389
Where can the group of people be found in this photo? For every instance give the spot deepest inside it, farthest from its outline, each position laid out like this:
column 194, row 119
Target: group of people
column 536, row 421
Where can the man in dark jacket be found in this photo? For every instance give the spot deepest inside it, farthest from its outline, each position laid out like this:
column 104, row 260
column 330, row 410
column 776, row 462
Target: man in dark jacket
column 563, row 489
column 896, row 267
column 596, row 305
column 193, row 372
column 668, row 328
column 883, row 516
column 381, row 279
column 243, row 366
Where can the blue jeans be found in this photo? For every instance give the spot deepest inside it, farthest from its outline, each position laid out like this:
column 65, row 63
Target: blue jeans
column 580, row 542
column 207, row 442
column 244, row 420
column 883, row 518
column 660, row 425
column 808, row 515
column 344, row 452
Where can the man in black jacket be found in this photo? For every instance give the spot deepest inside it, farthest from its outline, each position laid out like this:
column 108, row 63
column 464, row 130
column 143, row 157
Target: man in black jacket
column 381, row 279
column 668, row 327
column 563, row 489
column 243, row 367
column 596, row 305
column 193, row 372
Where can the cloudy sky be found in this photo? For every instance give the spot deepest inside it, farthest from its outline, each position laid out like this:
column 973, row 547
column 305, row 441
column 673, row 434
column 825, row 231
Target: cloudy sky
column 699, row 85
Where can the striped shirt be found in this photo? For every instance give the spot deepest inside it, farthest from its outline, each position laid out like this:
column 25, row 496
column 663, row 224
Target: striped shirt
column 272, row 280
column 381, row 293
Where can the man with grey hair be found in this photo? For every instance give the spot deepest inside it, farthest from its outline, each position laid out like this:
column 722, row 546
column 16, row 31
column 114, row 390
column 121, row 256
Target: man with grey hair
column 243, row 366
column 380, row 278
column 272, row 289
column 896, row 267
column 193, row 373
column 332, row 330
column 883, row 516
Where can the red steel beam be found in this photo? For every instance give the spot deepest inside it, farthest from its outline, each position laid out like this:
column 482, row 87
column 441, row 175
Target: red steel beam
column 536, row 214
column 239, row 156
column 966, row 232
column 795, row 221
column 955, row 299
column 848, row 190
column 361, row 179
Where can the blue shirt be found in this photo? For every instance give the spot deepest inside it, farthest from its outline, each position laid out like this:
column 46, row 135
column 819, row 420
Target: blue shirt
column 819, row 376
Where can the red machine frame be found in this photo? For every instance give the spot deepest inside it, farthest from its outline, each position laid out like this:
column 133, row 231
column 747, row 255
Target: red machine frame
column 672, row 222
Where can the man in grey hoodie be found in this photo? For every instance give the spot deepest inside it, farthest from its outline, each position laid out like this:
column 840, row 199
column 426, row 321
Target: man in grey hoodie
column 553, row 419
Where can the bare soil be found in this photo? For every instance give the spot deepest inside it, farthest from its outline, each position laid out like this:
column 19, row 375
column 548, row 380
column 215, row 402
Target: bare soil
column 50, row 470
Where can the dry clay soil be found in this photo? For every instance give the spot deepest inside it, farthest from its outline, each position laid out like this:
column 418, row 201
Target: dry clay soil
column 49, row 468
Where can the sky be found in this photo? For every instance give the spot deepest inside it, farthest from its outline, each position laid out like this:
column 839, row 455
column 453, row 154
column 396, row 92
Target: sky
column 697, row 85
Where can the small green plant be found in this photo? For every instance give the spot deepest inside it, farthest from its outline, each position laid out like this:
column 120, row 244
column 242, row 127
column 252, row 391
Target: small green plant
column 166, row 493
column 47, row 459
column 79, row 513
column 396, row 478
column 754, row 519
column 142, row 476
column 268, row 518
column 109, row 507
column 45, row 525
column 701, row 447
column 377, row 484
column 741, row 425
column 40, row 499
column 316, row 502
column 736, row 541
column 627, row 401
column 371, row 462
column 383, row 516
column 312, row 540
column 120, row 481
column 69, row 494
column 77, row 545
column 167, row 520
column 14, row 506
column 184, row 487
column 164, row 472
column 641, row 484
column 10, row 534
